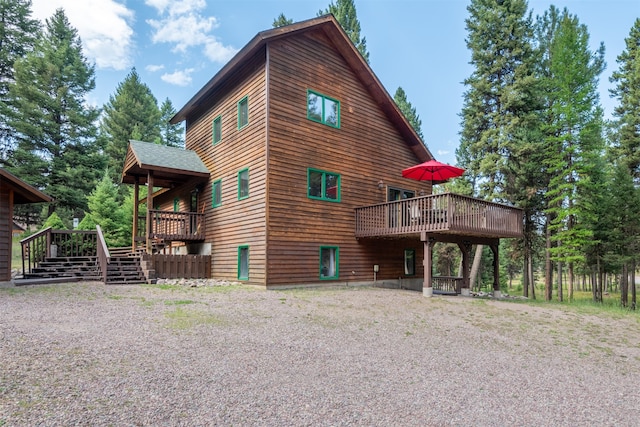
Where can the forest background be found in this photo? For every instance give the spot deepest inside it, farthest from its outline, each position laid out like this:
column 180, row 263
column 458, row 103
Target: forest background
column 532, row 133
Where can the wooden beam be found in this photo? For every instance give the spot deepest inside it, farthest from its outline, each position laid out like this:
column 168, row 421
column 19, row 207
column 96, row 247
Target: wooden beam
column 496, row 270
column 149, row 208
column 427, row 285
column 136, row 200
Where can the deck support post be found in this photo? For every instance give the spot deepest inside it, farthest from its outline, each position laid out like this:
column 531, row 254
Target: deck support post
column 465, row 248
column 496, row 271
column 427, row 286
column 149, row 226
column 136, row 200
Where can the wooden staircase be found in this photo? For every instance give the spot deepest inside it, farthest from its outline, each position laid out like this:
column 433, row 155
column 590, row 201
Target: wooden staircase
column 62, row 269
column 123, row 269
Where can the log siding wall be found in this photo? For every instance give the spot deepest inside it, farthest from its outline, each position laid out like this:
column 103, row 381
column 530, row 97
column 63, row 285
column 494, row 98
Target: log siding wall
column 364, row 150
column 6, row 227
column 235, row 222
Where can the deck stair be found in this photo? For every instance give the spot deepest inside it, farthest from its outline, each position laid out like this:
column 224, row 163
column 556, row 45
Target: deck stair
column 57, row 269
column 125, row 270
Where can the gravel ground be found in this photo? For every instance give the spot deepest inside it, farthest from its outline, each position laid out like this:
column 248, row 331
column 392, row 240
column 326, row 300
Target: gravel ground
column 86, row 354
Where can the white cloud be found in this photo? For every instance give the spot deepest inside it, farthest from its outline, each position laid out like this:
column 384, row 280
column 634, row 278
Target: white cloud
column 152, row 68
column 443, row 152
column 178, row 77
column 182, row 25
column 183, row 31
column 105, row 27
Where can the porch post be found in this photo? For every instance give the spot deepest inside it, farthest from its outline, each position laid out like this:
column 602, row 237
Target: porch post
column 465, row 248
column 136, row 199
column 427, row 287
column 149, row 226
column 496, row 271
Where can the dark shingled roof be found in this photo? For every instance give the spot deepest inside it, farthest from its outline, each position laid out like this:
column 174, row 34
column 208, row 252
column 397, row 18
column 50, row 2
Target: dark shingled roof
column 169, row 164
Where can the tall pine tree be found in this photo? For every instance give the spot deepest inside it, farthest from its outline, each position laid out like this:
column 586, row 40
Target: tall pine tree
column 499, row 111
column 345, row 13
column 55, row 127
column 574, row 140
column 18, row 32
column 409, row 111
column 172, row 135
column 131, row 113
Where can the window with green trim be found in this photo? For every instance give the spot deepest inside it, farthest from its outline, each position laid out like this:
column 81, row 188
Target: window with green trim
column 243, row 112
column 217, row 129
column 329, row 262
column 322, row 109
column 216, row 193
column 409, row 262
column 323, row 185
column 176, row 204
column 243, row 184
column 243, row 262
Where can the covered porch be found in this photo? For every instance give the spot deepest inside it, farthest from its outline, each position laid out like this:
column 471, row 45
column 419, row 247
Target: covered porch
column 450, row 218
column 175, row 171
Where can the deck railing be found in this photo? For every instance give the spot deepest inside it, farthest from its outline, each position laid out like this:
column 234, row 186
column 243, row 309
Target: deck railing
column 176, row 226
column 104, row 257
column 56, row 243
column 439, row 213
column 449, row 284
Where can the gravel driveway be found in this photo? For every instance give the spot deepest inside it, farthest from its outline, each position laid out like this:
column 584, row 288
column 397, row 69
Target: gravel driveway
column 86, row 354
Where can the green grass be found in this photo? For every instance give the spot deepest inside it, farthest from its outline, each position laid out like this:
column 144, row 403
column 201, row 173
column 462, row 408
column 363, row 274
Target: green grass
column 182, row 319
column 16, row 253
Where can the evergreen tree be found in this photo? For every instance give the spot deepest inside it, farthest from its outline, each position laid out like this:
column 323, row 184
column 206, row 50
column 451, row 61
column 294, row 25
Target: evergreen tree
column 281, row 21
column 409, row 111
column 345, row 12
column 106, row 211
column 18, row 33
column 574, row 140
column 132, row 109
column 172, row 135
column 55, row 127
column 627, row 92
column 499, row 115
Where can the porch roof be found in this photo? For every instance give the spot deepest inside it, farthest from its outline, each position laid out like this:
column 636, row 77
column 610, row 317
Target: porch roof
column 23, row 192
column 170, row 165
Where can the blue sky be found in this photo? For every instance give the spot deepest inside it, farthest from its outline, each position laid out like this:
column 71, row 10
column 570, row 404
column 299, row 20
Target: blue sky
column 178, row 45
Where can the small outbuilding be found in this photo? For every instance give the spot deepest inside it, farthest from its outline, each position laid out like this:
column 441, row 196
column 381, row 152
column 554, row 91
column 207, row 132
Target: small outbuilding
column 13, row 191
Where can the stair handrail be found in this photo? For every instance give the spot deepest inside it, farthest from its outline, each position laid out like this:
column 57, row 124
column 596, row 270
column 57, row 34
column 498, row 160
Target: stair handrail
column 36, row 248
column 104, row 257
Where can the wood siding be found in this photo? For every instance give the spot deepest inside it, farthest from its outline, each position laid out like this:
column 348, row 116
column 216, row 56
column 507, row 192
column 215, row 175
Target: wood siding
column 364, row 150
column 235, row 222
column 6, row 225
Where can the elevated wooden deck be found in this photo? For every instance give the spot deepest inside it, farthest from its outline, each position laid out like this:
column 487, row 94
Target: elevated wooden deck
column 439, row 214
column 172, row 226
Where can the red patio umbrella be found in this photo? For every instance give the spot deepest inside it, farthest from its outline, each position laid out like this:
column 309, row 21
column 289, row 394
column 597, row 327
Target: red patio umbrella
column 432, row 170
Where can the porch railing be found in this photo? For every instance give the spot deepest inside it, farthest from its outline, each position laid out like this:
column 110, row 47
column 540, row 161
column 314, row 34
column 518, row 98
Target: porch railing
column 169, row 225
column 50, row 243
column 439, row 213
column 450, row 284
column 104, row 257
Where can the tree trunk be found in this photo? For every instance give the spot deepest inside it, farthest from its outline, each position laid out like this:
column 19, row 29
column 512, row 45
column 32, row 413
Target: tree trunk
column 624, row 286
column 525, row 275
column 548, row 265
column 633, row 285
column 475, row 267
column 570, row 282
column 531, row 278
column 560, row 293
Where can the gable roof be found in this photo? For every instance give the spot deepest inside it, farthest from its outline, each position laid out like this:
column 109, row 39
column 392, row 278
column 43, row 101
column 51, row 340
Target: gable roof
column 332, row 29
column 170, row 165
column 22, row 192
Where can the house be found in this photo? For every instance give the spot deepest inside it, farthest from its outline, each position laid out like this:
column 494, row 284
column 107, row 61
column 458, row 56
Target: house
column 13, row 191
column 18, row 230
column 305, row 150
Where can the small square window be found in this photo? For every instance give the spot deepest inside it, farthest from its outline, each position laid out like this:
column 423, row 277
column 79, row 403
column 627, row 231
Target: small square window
column 243, row 112
column 243, row 263
column 409, row 262
column 243, row 184
column 329, row 265
column 321, row 108
column 216, row 193
column 217, row 129
column 323, row 185
column 176, row 204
